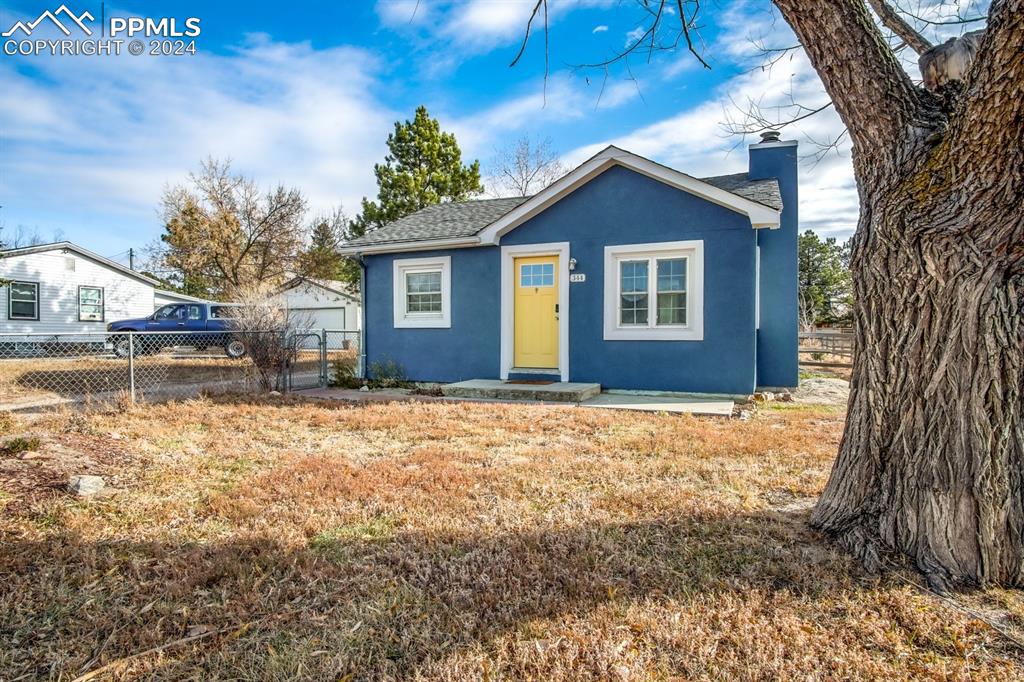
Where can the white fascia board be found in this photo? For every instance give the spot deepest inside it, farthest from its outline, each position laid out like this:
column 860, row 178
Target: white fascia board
column 402, row 247
column 760, row 215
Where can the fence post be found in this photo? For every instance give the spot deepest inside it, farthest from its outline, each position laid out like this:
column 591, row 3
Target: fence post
column 361, row 357
column 323, row 358
column 290, row 362
column 131, row 367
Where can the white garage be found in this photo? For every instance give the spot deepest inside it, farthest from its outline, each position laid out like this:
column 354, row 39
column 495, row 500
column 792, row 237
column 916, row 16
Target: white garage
column 320, row 304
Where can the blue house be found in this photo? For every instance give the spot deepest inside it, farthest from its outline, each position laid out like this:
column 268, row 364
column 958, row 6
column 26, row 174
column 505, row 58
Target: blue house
column 624, row 272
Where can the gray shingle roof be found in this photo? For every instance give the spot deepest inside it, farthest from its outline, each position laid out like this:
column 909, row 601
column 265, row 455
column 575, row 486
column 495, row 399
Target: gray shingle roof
column 762, row 191
column 443, row 221
column 467, row 218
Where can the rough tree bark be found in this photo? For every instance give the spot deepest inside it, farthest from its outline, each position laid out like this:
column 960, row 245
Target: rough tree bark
column 932, row 459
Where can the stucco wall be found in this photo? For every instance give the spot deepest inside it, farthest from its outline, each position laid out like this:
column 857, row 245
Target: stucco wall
column 624, row 207
column 777, row 360
column 618, row 207
column 469, row 349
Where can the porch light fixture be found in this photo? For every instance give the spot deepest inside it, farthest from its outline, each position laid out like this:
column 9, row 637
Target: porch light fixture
column 572, row 264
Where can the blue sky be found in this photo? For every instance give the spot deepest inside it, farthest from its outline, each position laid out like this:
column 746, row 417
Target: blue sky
column 306, row 93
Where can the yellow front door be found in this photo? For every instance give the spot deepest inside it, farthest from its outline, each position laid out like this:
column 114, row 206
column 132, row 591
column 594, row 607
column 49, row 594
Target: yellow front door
column 536, row 312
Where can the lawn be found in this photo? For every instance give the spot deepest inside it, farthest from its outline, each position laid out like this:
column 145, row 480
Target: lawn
column 283, row 539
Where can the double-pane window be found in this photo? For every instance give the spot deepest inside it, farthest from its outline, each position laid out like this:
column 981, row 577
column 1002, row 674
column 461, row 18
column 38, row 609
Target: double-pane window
column 23, row 301
column 660, row 279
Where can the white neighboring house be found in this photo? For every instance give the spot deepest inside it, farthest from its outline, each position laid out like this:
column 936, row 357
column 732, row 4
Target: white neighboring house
column 320, row 304
column 62, row 288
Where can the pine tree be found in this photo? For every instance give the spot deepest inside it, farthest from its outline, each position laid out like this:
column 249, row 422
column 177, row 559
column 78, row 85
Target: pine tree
column 423, row 167
column 321, row 259
column 826, row 288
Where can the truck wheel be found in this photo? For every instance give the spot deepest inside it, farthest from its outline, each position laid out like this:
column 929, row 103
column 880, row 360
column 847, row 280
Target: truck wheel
column 121, row 347
column 235, row 349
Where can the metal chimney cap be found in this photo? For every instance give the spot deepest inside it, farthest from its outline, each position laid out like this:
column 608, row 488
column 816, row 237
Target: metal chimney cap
column 770, row 136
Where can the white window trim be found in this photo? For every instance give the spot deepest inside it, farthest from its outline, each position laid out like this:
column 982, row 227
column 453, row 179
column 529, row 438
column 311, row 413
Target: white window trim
column 103, row 304
column 407, row 320
column 11, row 301
column 508, row 281
column 693, row 330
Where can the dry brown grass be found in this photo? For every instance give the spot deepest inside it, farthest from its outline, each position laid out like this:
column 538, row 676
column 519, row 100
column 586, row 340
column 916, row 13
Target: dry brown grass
column 452, row 541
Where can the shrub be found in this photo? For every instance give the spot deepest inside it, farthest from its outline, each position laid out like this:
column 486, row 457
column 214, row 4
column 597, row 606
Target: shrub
column 343, row 374
column 267, row 330
column 388, row 374
column 16, row 446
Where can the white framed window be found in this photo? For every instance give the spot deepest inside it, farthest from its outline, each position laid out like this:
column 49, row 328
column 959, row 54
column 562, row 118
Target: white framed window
column 423, row 292
column 90, row 304
column 23, row 301
column 654, row 292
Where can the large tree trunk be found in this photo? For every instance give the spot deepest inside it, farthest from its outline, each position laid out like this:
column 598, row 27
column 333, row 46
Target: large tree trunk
column 932, row 460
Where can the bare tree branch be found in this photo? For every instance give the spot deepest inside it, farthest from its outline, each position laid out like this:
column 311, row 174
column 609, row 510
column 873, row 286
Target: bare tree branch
column 526, row 36
column 872, row 93
column 684, row 22
column 898, row 25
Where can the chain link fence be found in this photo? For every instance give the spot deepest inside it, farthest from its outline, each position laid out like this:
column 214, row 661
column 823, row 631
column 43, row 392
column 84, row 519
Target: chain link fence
column 40, row 370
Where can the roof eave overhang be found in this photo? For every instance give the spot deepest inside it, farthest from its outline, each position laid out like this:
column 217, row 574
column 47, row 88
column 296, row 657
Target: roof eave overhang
column 402, row 247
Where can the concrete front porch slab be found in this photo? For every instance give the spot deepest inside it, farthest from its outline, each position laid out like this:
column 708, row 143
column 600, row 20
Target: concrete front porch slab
column 648, row 403
column 561, row 392
column 607, row 401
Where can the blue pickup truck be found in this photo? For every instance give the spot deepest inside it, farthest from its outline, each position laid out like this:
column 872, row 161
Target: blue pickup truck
column 198, row 325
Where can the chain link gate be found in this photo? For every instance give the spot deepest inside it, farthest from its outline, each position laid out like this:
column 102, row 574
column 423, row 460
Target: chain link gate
column 308, row 368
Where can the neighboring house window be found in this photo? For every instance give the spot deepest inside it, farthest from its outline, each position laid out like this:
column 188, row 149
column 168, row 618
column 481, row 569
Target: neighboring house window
column 23, row 301
column 422, row 292
column 90, row 304
column 654, row 291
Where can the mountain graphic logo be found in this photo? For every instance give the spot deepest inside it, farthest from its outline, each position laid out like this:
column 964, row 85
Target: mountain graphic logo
column 68, row 15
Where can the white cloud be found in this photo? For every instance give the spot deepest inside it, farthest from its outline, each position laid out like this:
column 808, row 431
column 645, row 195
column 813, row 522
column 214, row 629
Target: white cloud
column 694, row 141
column 110, row 133
column 633, row 36
column 481, row 21
column 468, row 27
column 600, row 29
column 398, row 13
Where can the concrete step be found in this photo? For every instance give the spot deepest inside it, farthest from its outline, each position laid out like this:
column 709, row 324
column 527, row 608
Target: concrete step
column 495, row 389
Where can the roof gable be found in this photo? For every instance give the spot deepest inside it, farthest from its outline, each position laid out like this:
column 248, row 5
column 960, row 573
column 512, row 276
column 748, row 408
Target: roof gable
column 761, row 215
column 85, row 253
column 483, row 222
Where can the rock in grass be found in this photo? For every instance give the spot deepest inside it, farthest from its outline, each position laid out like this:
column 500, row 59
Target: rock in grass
column 86, row 486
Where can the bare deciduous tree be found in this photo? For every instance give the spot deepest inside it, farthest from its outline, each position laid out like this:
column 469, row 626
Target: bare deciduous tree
column 524, row 167
column 932, row 459
column 223, row 233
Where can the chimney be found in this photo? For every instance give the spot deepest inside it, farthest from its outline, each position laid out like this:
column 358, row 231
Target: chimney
column 775, row 158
